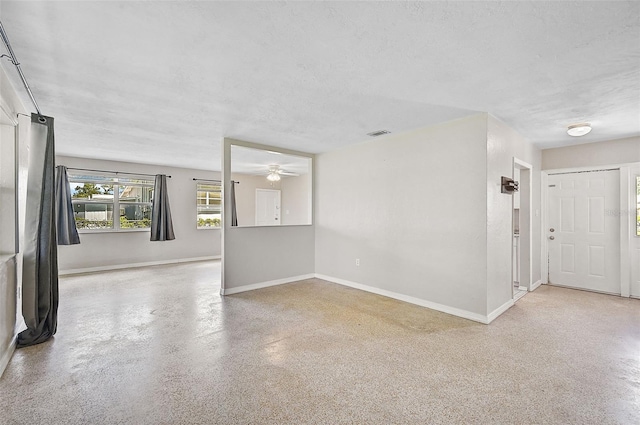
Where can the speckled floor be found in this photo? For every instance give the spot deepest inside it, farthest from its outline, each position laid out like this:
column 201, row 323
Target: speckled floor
column 158, row 346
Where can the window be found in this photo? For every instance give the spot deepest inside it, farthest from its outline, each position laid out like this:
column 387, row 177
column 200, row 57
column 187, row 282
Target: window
column 95, row 198
column 209, row 205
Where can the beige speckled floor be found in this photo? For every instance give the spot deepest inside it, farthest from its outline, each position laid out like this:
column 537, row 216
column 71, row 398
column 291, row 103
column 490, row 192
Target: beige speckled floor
column 158, row 346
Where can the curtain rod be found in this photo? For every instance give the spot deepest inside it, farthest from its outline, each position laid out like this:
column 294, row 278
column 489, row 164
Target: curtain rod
column 14, row 61
column 206, row 180
column 113, row 172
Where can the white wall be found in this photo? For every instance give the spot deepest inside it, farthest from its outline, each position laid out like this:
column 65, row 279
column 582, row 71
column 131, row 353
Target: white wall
column 503, row 144
column 296, row 199
column 412, row 208
column 11, row 265
column 109, row 249
column 254, row 255
column 8, row 217
column 295, row 192
column 246, row 196
column 620, row 151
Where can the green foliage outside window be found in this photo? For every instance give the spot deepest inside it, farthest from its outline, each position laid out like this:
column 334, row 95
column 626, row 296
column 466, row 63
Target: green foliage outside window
column 87, row 190
column 125, row 223
column 83, row 223
column 209, row 222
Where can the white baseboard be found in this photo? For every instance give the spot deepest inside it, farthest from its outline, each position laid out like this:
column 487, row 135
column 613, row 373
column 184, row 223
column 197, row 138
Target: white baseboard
column 411, row 300
column 134, row 265
column 535, row 285
column 6, row 356
column 260, row 285
column 498, row 311
column 522, row 288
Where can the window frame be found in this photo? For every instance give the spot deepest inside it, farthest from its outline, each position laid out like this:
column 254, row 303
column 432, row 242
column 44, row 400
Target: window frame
column 200, row 188
column 114, row 181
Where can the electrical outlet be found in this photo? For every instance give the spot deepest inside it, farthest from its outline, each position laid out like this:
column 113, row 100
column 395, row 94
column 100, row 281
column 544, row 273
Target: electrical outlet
column 358, row 262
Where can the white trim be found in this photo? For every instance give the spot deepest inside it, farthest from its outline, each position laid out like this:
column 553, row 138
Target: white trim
column 522, row 288
column 544, row 243
column 6, row 356
column 498, row 311
column 519, row 295
column 112, row 230
column 411, row 300
column 625, row 230
column 536, row 285
column 134, row 265
column 521, row 165
column 589, row 168
column 260, row 285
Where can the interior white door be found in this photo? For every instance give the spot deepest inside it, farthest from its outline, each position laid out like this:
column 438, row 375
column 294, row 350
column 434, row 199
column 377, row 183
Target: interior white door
column 267, row 207
column 584, row 230
column 635, row 238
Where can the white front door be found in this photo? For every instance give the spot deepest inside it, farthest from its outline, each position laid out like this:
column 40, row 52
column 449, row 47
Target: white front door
column 267, row 207
column 584, row 230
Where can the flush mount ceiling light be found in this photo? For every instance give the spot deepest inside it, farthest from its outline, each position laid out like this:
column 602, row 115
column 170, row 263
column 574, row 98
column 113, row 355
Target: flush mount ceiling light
column 577, row 130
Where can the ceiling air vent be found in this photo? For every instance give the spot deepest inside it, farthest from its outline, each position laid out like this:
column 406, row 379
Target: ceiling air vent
column 378, row 133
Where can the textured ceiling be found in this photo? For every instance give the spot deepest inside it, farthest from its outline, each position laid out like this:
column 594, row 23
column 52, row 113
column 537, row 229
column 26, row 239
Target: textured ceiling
column 256, row 161
column 162, row 82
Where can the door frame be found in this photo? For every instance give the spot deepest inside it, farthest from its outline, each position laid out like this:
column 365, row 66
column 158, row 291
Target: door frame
column 625, row 225
column 522, row 165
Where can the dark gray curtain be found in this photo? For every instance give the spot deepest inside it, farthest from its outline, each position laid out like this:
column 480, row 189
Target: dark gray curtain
column 65, row 222
column 40, row 258
column 161, row 225
column 232, row 196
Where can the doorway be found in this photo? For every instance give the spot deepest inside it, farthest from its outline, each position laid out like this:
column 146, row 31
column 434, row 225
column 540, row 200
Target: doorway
column 634, row 248
column 267, row 207
column 583, row 230
column 522, row 270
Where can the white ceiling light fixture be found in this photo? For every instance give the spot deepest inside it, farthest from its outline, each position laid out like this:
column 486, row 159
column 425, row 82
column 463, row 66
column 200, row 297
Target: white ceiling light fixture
column 577, row 130
column 274, row 173
column 273, row 177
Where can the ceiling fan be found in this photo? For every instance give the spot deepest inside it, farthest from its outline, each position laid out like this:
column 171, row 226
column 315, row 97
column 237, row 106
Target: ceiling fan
column 274, row 172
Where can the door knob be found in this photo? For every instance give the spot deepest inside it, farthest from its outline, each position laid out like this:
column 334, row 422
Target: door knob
column 552, row 237
column 552, row 230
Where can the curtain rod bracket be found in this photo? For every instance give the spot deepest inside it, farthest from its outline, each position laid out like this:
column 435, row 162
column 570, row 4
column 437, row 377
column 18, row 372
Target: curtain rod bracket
column 10, row 59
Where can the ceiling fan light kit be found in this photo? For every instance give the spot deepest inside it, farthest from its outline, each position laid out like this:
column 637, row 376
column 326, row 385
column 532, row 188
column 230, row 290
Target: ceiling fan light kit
column 273, row 177
column 275, row 172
